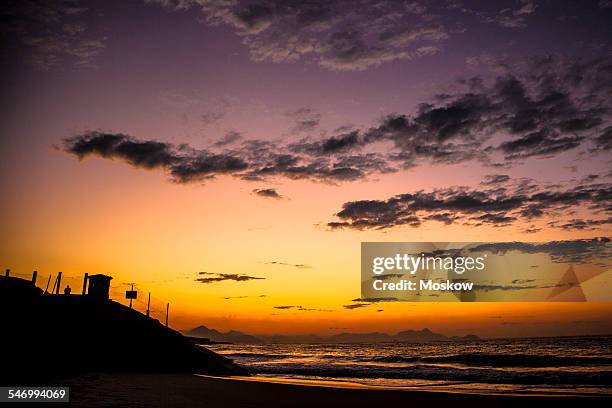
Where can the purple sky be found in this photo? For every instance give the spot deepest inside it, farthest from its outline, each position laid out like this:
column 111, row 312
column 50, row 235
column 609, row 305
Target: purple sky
column 297, row 73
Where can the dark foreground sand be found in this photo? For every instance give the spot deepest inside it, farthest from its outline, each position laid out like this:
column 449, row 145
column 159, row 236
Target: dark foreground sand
column 185, row 390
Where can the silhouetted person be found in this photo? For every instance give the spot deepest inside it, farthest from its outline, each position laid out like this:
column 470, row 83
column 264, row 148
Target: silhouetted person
column 67, row 290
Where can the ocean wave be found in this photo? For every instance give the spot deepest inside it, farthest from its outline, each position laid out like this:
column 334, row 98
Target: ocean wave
column 501, row 360
column 431, row 372
column 256, row 356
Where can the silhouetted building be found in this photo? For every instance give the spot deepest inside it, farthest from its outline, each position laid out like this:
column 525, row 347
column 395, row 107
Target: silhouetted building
column 99, row 286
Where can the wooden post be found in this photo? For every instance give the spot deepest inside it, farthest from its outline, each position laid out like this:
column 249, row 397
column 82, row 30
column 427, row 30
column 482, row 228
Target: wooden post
column 59, row 282
column 8, row 272
column 149, row 304
column 48, row 282
column 167, row 308
column 131, row 298
column 34, row 276
column 85, row 283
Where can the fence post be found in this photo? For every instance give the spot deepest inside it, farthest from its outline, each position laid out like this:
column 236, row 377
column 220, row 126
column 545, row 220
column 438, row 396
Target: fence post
column 8, row 272
column 59, row 282
column 48, row 282
column 34, row 276
column 149, row 304
column 85, row 283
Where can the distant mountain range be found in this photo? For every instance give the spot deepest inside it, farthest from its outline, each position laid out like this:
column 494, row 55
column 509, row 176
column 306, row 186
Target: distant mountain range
column 408, row 336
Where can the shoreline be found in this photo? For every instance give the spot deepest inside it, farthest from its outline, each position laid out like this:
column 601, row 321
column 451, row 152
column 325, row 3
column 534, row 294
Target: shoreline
column 189, row 390
column 437, row 388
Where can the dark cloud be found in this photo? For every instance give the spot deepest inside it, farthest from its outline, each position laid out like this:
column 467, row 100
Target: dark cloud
column 212, row 117
column 229, row 138
column 146, row 154
column 473, row 207
column 285, row 307
column 547, row 106
column 570, row 251
column 494, row 179
column 338, row 35
column 220, row 277
column 306, row 119
column 252, row 160
column 340, row 143
column 544, row 107
column 604, row 4
column 299, row 266
column 244, row 297
column 490, row 288
column 522, row 281
column 540, row 143
column 268, row 193
column 54, row 33
column 604, row 140
column 376, row 300
column 301, row 309
column 355, row 305
column 183, row 164
column 388, row 276
column 515, row 16
column 580, row 225
column 202, row 165
column 531, row 230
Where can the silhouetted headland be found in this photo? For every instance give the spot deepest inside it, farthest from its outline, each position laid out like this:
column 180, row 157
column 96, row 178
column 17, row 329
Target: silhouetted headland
column 407, row 336
column 65, row 334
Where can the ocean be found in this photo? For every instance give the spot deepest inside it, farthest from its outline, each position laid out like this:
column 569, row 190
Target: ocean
column 552, row 365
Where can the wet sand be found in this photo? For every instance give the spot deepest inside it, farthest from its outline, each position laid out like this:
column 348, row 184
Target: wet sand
column 186, row 390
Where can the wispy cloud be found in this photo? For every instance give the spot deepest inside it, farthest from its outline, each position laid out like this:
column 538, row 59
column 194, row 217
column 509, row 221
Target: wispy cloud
column 268, row 193
column 295, row 265
column 301, row 308
column 55, row 33
column 244, row 297
column 209, row 277
column 375, row 300
column 306, row 119
column 337, row 35
column 356, row 305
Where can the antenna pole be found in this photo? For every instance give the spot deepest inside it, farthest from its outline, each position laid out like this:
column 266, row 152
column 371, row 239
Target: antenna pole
column 167, row 308
column 48, row 282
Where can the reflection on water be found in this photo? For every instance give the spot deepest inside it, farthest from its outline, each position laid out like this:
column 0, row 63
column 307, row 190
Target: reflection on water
column 580, row 365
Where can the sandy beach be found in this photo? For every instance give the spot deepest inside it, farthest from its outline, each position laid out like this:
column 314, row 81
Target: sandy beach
column 186, row 390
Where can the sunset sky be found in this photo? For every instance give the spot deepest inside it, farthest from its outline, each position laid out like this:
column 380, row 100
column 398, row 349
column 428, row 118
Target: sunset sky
column 254, row 145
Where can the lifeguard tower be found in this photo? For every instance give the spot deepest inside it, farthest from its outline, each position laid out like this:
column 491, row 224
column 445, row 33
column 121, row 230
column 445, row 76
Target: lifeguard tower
column 99, row 286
